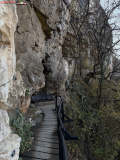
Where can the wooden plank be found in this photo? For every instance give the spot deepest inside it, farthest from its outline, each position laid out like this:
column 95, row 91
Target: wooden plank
column 42, row 128
column 45, row 133
column 40, row 132
column 28, row 158
column 48, row 105
column 49, row 109
column 50, row 126
column 50, row 116
column 44, row 149
column 41, row 155
column 47, row 140
column 49, row 113
column 45, row 136
column 47, row 119
column 46, row 123
column 47, row 128
column 37, row 134
column 44, row 144
column 38, row 129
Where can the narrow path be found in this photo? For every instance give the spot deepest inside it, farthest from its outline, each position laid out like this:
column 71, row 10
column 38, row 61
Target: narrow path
column 45, row 145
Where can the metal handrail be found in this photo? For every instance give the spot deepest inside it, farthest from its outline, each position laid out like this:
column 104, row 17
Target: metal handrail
column 62, row 131
column 62, row 146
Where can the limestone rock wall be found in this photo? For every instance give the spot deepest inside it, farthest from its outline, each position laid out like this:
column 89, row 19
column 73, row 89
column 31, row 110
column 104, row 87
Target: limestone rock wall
column 55, row 66
column 31, row 50
column 10, row 90
column 39, row 37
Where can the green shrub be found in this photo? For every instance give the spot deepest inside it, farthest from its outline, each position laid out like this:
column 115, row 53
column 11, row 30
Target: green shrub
column 23, row 130
column 97, row 128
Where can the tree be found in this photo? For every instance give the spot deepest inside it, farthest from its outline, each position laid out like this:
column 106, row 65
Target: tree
column 79, row 14
column 93, row 102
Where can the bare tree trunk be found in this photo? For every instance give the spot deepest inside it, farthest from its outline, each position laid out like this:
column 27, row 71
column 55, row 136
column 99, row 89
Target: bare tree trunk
column 100, row 87
column 80, row 55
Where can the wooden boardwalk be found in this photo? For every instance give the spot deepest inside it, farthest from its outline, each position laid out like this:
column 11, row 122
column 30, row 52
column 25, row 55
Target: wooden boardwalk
column 45, row 145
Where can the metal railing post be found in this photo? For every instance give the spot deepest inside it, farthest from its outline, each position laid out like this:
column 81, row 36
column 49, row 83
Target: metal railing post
column 62, row 111
column 56, row 102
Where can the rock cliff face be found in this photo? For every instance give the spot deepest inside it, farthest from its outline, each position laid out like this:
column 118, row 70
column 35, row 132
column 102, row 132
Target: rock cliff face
column 38, row 40
column 10, row 90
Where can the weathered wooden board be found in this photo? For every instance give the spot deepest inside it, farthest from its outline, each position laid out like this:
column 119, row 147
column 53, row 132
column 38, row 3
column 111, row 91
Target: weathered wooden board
column 50, row 120
column 45, row 132
column 50, row 116
column 47, row 140
column 42, row 124
column 44, row 149
column 44, row 144
column 44, row 128
column 35, row 154
column 44, row 136
column 28, row 158
column 48, row 125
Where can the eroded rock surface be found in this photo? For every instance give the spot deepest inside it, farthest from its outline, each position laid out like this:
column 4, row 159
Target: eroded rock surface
column 38, row 38
column 9, row 88
column 29, row 48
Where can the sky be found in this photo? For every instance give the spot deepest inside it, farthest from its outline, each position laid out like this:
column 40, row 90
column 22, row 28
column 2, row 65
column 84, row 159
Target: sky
column 114, row 19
